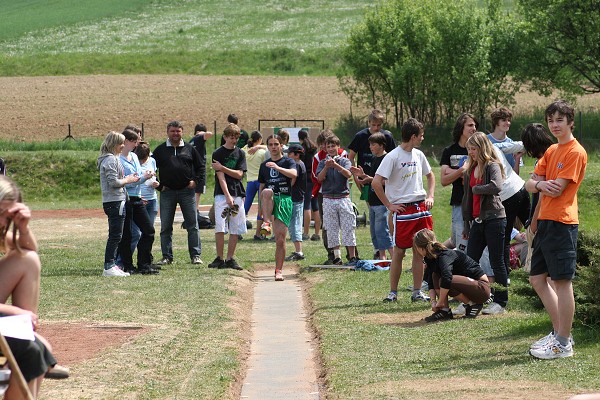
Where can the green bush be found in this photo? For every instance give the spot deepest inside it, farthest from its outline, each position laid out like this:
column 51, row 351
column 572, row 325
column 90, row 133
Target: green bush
column 587, row 295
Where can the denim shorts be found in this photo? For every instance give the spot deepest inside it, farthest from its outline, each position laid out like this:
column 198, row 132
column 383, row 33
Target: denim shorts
column 555, row 250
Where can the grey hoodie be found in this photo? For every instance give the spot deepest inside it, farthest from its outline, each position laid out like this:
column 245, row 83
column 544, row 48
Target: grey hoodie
column 111, row 178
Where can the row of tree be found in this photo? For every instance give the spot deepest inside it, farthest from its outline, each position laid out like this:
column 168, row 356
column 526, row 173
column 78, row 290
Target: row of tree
column 434, row 59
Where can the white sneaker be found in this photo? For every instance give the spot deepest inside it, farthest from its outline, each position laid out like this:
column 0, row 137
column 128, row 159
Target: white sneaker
column 460, row 310
column 552, row 350
column 114, row 271
column 538, row 344
column 493, row 309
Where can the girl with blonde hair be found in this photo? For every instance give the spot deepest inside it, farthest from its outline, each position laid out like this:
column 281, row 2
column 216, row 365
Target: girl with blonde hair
column 483, row 213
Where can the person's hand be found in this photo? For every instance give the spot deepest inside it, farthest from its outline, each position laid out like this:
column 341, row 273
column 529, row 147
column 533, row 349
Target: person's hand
column 429, row 203
column 20, row 214
column 229, row 200
column 148, row 174
column 191, row 185
column 132, row 178
column 217, row 166
column 434, row 306
column 396, row 208
column 208, row 135
column 360, row 180
column 330, row 163
column 357, row 171
column 271, row 164
column 253, row 150
column 155, row 184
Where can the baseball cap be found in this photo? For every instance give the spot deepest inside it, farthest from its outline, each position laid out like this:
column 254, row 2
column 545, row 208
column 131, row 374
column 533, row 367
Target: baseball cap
column 296, row 148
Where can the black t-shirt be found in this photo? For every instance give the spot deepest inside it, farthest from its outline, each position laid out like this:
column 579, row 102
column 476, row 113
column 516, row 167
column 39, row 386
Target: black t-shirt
column 360, row 145
column 373, row 199
column 232, row 159
column 199, row 143
column 300, row 185
column 452, row 262
column 272, row 179
column 454, row 156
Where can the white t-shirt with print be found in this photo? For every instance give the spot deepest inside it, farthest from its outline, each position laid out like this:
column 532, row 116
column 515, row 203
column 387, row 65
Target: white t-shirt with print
column 404, row 172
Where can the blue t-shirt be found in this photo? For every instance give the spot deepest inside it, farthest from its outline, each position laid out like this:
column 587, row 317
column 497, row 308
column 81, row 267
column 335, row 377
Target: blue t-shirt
column 133, row 167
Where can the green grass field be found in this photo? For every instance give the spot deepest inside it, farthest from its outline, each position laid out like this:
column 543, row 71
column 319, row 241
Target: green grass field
column 198, row 37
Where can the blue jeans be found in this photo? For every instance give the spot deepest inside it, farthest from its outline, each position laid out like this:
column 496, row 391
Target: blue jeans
column 490, row 233
column 380, row 231
column 115, row 211
column 296, row 221
column 168, row 204
column 251, row 191
column 135, row 212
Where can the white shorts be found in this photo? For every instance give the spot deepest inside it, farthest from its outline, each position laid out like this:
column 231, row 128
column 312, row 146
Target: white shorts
column 232, row 224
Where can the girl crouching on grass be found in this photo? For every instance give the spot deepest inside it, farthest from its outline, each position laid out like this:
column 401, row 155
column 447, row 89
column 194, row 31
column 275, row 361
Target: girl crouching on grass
column 451, row 273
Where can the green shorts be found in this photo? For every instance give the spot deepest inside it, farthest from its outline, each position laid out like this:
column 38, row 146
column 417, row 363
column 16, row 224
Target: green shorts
column 282, row 208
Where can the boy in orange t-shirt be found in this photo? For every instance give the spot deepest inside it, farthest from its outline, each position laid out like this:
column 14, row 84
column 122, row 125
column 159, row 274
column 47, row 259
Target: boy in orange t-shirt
column 557, row 178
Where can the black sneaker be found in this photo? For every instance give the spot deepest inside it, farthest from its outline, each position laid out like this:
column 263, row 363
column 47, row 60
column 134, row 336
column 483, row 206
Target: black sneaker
column 337, row 261
column 165, row 261
column 439, row 316
column 231, row 264
column 295, row 257
column 217, row 263
column 472, row 311
column 147, row 270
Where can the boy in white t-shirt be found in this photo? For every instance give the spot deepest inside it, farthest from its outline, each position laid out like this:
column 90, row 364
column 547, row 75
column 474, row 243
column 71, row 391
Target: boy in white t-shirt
column 404, row 196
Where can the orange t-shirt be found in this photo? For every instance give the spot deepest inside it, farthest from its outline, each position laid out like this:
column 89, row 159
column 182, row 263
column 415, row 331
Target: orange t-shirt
column 566, row 161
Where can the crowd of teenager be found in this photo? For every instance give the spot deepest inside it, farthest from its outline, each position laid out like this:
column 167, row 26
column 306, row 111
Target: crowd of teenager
column 305, row 181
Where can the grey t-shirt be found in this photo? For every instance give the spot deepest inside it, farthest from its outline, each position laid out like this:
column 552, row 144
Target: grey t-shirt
column 335, row 184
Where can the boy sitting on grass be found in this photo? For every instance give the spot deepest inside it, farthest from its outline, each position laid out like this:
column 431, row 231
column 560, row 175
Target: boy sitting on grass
column 338, row 213
column 229, row 163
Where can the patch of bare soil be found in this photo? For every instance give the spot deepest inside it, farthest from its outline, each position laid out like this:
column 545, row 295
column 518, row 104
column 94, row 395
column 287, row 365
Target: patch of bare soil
column 40, row 108
column 73, row 343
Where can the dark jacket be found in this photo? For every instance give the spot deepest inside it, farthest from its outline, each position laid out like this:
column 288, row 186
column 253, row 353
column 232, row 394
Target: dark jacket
column 177, row 166
column 451, row 262
column 491, row 206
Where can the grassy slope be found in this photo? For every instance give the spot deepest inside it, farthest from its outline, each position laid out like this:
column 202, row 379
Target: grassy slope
column 200, row 37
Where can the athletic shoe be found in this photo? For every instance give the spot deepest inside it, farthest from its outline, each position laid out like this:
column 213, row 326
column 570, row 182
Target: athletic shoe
column 196, row 260
column 57, row 372
column 232, row 264
column 278, row 275
column 552, row 350
column 315, row 237
column 493, row 309
column 114, row 271
column 391, row 297
column 460, row 310
column 147, row 270
column 439, row 316
column 259, row 238
column 295, row 257
column 424, row 287
column 265, row 228
column 218, row 262
column 547, row 339
column 337, row 261
column 538, row 344
column 420, row 296
column 305, row 236
column 472, row 310
column 226, row 212
column 165, row 261
column 352, row 262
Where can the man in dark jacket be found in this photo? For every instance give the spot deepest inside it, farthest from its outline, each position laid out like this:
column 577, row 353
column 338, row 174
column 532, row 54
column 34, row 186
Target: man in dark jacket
column 180, row 170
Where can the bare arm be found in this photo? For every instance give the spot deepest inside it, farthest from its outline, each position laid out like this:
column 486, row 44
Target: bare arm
column 430, row 190
column 449, row 175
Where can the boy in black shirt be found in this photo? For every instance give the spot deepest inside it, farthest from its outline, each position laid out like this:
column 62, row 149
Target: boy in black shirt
column 378, row 213
column 229, row 163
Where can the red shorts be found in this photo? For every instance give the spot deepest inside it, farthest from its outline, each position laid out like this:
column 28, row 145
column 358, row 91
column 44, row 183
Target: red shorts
column 414, row 218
